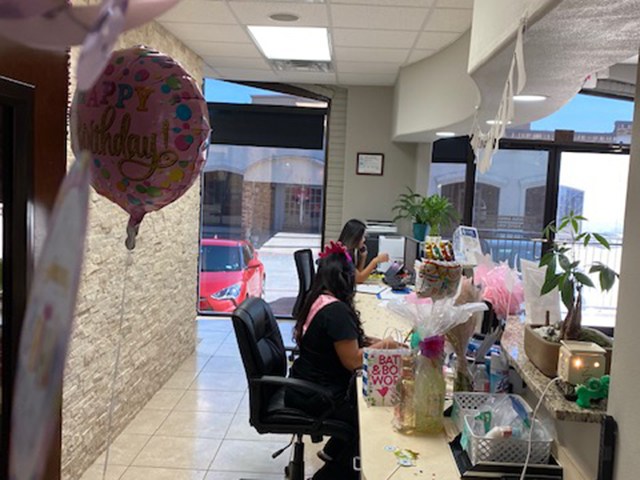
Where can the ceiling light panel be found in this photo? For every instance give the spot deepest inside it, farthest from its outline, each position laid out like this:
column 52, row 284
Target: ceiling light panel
column 292, row 43
column 383, row 18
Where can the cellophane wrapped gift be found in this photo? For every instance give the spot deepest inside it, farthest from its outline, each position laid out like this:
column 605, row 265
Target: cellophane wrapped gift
column 438, row 279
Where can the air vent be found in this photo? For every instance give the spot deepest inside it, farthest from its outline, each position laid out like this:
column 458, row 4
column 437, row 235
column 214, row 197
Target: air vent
column 301, row 66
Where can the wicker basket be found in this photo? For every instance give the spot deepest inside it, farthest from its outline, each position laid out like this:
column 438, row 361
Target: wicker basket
column 507, row 450
column 469, row 403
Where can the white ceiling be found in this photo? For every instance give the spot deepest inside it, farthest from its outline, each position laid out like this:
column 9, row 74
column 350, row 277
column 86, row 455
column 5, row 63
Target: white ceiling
column 370, row 39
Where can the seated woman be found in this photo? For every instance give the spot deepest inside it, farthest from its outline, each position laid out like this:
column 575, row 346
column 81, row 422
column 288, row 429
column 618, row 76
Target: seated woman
column 330, row 337
column 353, row 237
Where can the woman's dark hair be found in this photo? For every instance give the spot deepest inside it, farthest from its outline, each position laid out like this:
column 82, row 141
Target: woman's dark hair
column 352, row 233
column 336, row 276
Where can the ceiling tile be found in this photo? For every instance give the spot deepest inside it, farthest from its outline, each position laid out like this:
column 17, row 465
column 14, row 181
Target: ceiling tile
column 367, row 67
column 219, row 49
column 455, row 3
column 199, row 11
column 436, row 40
column 384, row 18
column 236, row 62
column 393, row 3
column 247, row 74
column 350, row 54
column 306, row 77
column 358, row 79
column 449, row 20
column 346, row 37
column 257, row 13
column 207, row 32
column 417, row 55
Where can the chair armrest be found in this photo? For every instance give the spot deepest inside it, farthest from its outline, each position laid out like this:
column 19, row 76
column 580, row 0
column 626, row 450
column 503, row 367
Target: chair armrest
column 293, row 352
column 297, row 383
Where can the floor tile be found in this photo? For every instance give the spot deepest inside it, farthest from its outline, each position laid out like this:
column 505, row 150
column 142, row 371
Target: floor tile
column 196, row 424
column 114, row 472
column 228, row 382
column 233, row 455
column 220, row 475
column 165, row 399
column 212, row 336
column 218, row 363
column 178, row 452
column 206, row 347
column 214, row 325
column 154, row 473
column 228, row 350
column 194, row 363
column 147, row 421
column 210, row 401
column 244, row 404
column 240, row 429
column 180, row 380
column 124, row 449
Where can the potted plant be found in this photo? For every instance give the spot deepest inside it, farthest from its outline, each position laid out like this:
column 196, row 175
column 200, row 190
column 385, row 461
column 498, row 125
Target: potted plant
column 566, row 273
column 440, row 212
column 428, row 214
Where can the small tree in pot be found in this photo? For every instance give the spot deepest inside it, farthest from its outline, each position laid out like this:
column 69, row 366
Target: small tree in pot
column 564, row 272
column 428, row 214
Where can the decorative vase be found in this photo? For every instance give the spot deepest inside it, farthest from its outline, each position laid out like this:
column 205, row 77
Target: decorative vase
column 419, row 231
column 542, row 353
column 429, row 395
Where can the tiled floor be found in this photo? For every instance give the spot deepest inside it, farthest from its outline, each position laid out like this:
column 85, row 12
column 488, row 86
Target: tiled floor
column 197, row 426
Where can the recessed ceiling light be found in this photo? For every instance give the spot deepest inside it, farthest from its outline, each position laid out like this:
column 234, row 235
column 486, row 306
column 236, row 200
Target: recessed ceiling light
column 529, row 98
column 493, row 122
column 284, row 17
column 292, row 43
column 445, row 134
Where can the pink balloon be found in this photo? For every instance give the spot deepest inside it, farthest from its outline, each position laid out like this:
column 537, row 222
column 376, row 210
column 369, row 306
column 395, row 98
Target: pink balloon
column 146, row 125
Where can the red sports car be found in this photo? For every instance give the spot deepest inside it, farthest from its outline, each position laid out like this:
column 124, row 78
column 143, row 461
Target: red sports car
column 230, row 271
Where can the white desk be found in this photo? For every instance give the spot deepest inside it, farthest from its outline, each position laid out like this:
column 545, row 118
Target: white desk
column 435, row 461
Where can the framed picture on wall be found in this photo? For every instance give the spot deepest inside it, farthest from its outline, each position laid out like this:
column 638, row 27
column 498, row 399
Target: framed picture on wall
column 370, row 164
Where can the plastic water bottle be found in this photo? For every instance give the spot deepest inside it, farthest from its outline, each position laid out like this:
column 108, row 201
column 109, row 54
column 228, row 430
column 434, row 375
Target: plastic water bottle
column 480, row 378
column 499, row 378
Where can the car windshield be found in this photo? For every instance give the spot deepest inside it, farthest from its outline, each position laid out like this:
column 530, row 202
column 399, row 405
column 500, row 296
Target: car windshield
column 219, row 258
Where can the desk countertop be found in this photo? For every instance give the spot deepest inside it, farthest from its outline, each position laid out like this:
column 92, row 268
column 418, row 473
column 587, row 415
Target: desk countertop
column 435, row 461
column 562, row 409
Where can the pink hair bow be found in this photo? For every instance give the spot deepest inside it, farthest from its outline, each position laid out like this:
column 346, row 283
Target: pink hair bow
column 335, row 247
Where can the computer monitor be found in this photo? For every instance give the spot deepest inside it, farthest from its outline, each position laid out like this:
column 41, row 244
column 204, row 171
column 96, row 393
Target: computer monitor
column 411, row 252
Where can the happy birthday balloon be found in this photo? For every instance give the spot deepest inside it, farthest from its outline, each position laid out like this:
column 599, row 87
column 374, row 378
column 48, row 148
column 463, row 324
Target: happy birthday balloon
column 146, row 125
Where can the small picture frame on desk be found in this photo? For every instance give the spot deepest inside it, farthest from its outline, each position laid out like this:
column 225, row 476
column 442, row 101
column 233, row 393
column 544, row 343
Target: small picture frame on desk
column 370, row 164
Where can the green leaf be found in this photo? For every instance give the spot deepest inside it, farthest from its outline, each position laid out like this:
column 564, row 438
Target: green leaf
column 551, row 271
column 581, row 236
column 563, row 223
column 584, row 279
column 550, row 284
column 602, row 240
column 607, row 278
column 574, row 224
column 567, row 294
column 565, row 263
column 587, row 239
column 546, row 259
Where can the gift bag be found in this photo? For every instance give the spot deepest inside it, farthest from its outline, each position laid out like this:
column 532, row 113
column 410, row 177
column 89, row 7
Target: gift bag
column 381, row 370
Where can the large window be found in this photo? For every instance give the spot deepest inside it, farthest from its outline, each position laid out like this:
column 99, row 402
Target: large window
column 263, row 196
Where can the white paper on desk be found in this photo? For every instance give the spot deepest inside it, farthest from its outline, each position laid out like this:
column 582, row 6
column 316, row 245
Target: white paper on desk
column 370, row 289
column 389, row 294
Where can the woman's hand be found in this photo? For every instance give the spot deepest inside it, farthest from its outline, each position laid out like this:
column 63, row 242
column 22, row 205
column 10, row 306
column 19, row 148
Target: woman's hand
column 382, row 257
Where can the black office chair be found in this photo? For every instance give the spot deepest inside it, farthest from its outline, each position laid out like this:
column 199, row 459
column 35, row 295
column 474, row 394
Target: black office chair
column 306, row 272
column 263, row 356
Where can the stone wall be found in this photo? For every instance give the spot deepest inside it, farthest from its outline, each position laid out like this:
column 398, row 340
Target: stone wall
column 155, row 295
column 257, row 198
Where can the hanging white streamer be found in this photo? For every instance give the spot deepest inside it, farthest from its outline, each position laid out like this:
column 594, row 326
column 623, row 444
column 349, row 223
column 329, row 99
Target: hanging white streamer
column 484, row 145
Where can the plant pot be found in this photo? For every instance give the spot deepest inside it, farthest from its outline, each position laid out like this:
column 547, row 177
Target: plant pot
column 419, row 231
column 542, row 353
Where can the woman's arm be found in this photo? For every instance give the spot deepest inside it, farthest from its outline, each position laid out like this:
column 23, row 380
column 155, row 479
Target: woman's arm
column 362, row 275
column 351, row 356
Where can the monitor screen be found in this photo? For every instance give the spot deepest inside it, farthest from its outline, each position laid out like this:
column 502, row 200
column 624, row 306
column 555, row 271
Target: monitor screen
column 411, row 254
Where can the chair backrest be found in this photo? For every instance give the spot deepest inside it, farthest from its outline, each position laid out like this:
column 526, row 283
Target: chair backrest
column 262, row 351
column 306, row 273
